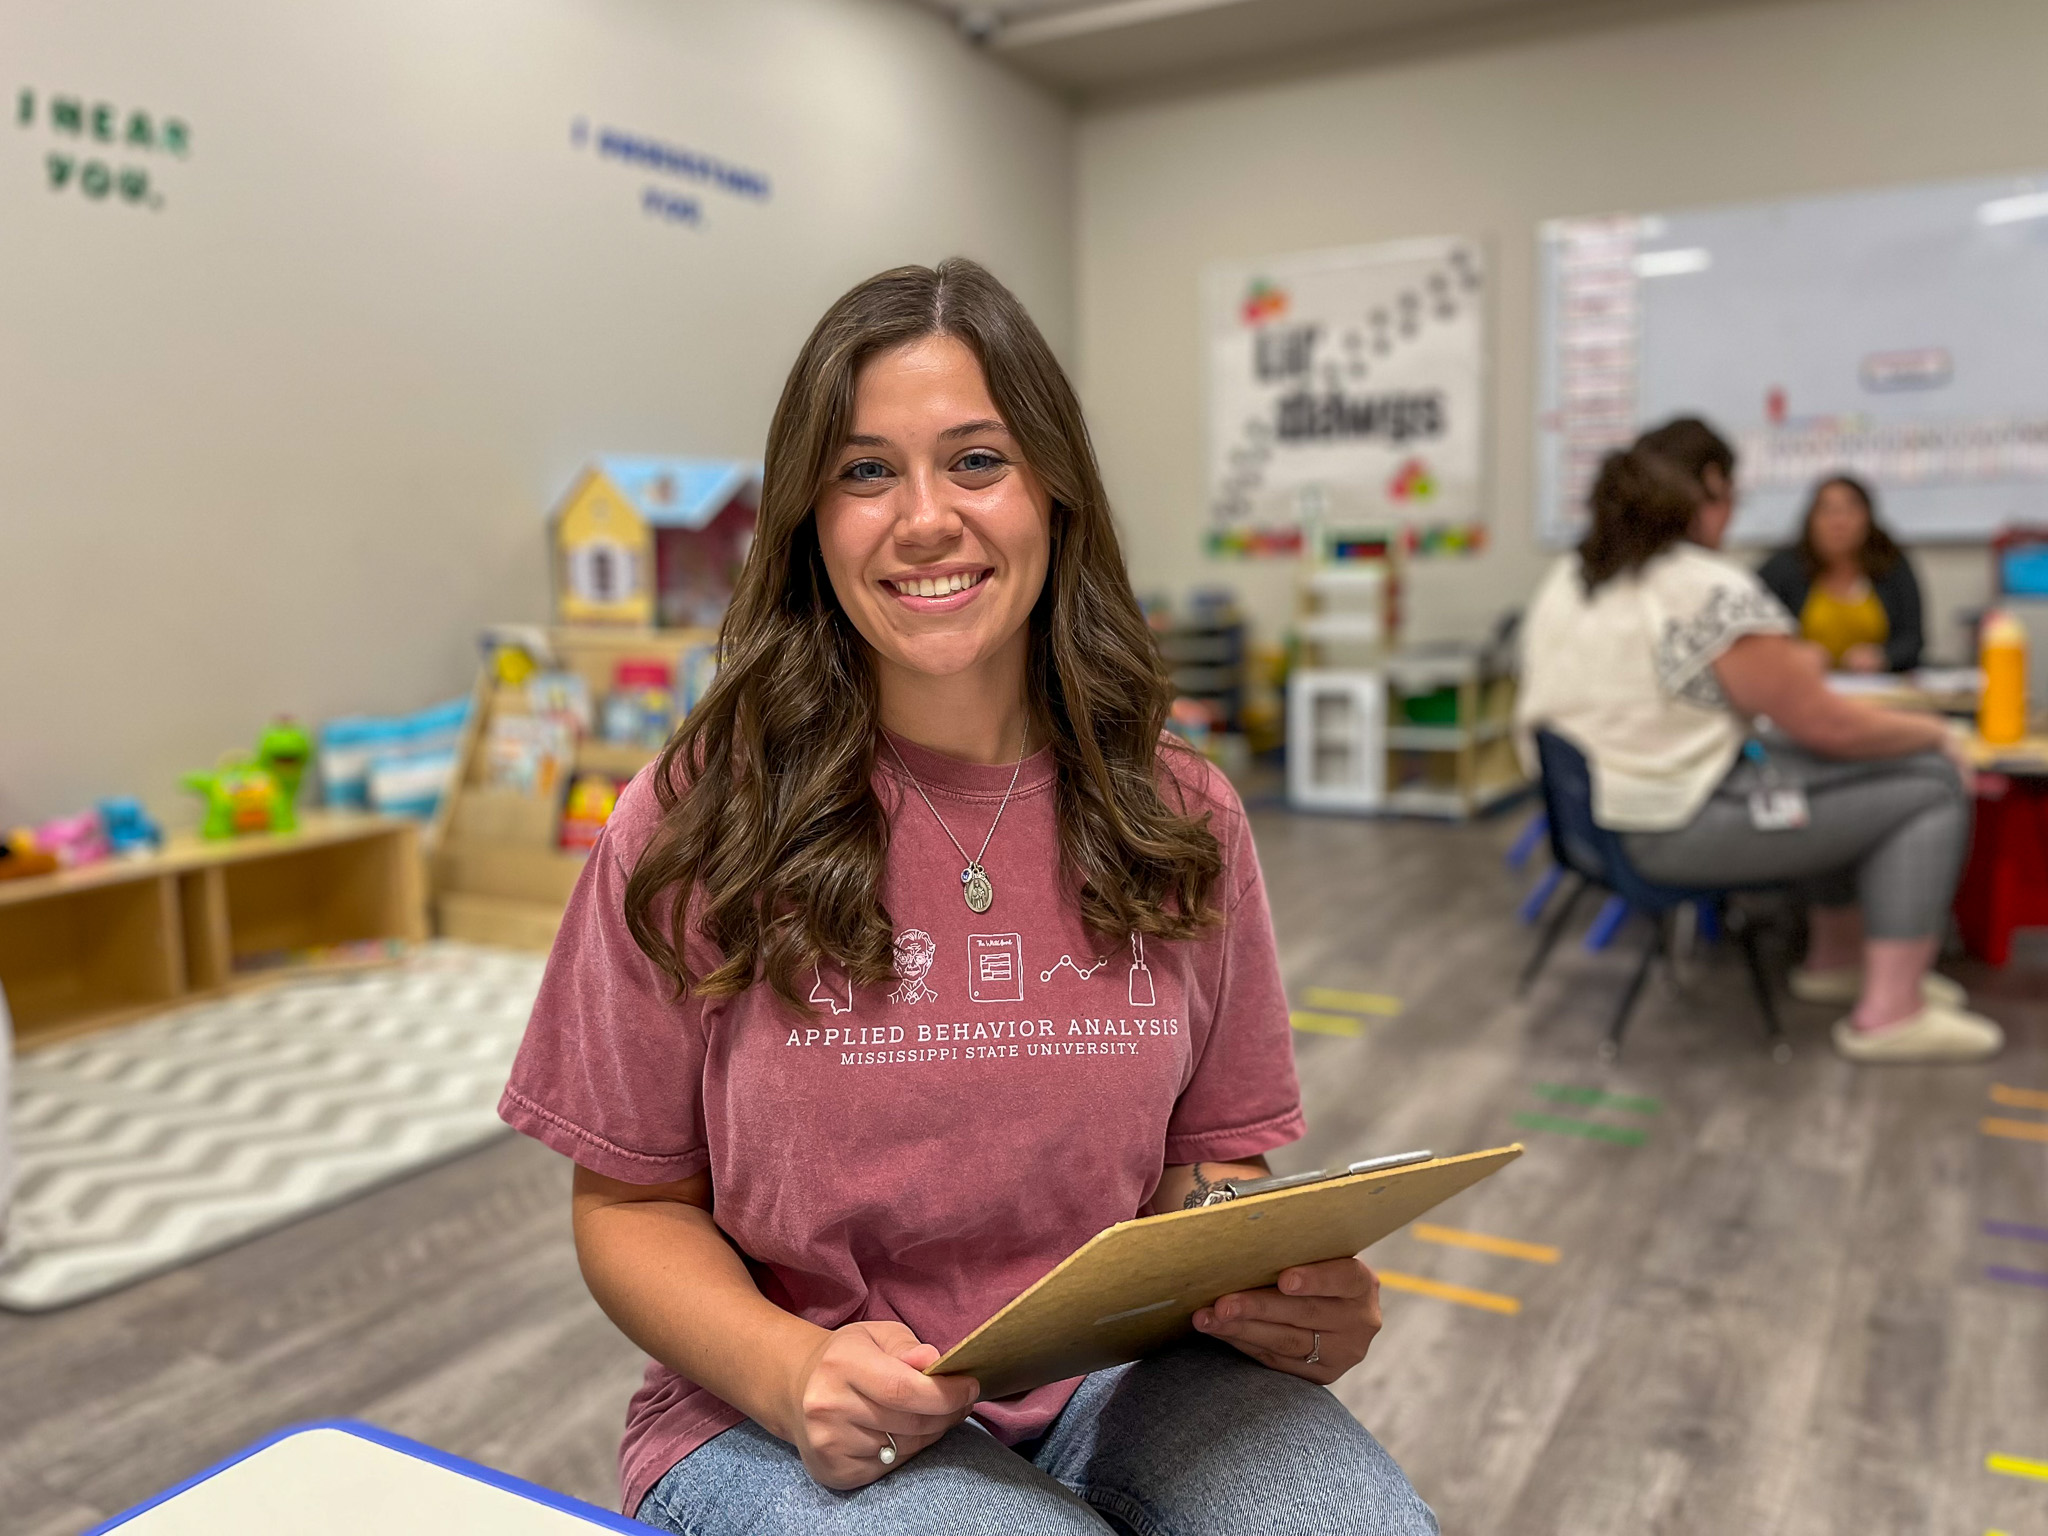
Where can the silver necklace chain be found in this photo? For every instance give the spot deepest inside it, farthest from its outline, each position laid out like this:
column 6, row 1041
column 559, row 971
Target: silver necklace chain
column 974, row 879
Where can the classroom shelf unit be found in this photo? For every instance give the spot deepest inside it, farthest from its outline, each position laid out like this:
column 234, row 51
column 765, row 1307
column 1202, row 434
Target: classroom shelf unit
column 1419, row 733
column 1450, row 749
column 1205, row 658
column 87, row 947
column 500, row 875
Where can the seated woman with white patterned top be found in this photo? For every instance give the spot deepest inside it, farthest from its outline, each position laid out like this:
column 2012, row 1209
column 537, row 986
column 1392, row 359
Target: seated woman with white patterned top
column 1655, row 655
column 918, row 958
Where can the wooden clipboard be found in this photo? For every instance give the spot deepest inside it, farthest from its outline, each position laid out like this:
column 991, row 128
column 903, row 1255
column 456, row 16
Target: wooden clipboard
column 1135, row 1287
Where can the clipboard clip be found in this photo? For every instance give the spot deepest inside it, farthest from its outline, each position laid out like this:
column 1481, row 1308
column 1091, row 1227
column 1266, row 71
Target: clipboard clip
column 1232, row 1189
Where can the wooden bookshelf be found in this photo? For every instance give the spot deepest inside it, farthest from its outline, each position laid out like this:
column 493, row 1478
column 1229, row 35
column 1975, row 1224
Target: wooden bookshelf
column 83, row 948
column 500, row 875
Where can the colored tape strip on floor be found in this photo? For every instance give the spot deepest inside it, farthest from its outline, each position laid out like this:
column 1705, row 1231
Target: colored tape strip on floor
column 2016, row 1130
column 1377, row 1003
column 1480, row 1242
column 1592, row 1130
column 1594, row 1098
column 2013, row 1276
column 2018, row 1098
column 1326, row 1024
column 1463, row 1295
column 2011, row 1466
column 2017, row 1230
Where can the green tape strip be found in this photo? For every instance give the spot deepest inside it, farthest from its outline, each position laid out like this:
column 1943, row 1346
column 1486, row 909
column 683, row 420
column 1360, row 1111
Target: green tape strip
column 1595, row 1098
column 1621, row 1135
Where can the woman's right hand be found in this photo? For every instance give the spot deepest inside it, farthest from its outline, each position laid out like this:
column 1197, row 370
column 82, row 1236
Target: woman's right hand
column 864, row 1381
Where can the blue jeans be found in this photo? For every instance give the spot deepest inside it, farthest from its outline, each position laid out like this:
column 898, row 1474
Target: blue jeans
column 1196, row 1441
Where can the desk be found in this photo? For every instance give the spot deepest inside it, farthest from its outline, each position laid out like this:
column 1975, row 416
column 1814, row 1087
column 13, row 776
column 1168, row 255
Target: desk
column 1931, row 690
column 2005, row 881
column 340, row 1478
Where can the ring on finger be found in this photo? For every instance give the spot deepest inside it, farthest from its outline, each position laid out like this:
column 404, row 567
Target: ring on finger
column 887, row 1454
column 1315, row 1350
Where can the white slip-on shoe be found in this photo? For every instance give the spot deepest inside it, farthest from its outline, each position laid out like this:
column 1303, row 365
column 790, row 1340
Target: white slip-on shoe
column 1934, row 1034
column 1844, row 984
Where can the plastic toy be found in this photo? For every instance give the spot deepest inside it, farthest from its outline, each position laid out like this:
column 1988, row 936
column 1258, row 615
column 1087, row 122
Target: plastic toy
column 74, row 840
column 650, row 540
column 241, row 797
column 284, row 749
column 592, row 798
column 19, row 856
column 128, row 827
column 514, row 652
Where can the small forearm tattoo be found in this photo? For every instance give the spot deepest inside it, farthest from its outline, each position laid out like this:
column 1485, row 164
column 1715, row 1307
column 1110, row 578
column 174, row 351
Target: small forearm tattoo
column 1200, row 1193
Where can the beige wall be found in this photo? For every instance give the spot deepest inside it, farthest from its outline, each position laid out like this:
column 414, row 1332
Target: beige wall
column 1728, row 105
column 287, row 441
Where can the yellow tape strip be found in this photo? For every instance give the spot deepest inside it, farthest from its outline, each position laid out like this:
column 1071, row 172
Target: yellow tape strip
column 2018, row 1098
column 1327, row 1024
column 1464, row 1296
column 1355, row 1002
column 1480, row 1242
column 2018, row 1130
column 2011, row 1466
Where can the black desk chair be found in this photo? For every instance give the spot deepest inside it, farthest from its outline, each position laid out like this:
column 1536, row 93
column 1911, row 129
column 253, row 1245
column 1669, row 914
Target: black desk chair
column 1592, row 856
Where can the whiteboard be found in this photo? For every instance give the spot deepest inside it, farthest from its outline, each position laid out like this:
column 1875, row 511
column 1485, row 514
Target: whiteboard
column 1899, row 334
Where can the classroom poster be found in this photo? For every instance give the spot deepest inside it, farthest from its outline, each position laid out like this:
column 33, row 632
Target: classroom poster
column 1346, row 388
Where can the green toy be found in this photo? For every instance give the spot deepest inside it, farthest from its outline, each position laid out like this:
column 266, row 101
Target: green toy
column 255, row 794
column 284, row 749
column 240, row 797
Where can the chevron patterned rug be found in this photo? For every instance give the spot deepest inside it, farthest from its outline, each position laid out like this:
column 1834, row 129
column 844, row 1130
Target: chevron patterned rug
column 140, row 1149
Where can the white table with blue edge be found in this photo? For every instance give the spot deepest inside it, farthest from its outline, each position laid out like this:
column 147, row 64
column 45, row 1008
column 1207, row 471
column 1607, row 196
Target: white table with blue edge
column 337, row 1477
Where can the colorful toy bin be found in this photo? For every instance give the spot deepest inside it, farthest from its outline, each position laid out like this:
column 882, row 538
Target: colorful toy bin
column 647, row 541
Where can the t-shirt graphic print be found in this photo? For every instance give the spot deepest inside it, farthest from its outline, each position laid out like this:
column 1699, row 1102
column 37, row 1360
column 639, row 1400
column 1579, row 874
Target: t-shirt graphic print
column 926, row 1149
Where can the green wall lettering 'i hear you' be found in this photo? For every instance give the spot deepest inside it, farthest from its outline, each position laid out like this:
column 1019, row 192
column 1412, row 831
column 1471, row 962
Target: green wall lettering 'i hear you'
column 82, row 164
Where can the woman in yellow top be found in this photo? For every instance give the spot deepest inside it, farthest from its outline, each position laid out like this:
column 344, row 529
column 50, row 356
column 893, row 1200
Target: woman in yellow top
column 1849, row 586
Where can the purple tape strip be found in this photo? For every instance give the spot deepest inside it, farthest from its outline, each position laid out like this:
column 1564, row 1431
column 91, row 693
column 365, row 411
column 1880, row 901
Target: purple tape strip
column 2016, row 1276
column 2016, row 1229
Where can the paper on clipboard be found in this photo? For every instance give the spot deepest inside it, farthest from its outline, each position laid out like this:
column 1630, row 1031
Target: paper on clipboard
column 1135, row 1287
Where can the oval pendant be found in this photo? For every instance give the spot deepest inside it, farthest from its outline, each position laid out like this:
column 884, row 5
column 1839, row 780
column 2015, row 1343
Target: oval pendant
column 978, row 891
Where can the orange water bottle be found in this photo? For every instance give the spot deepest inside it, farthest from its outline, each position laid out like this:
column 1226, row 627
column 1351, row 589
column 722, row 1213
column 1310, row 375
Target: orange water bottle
column 2002, row 652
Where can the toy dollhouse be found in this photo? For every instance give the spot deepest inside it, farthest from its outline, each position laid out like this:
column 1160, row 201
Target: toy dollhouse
column 649, row 541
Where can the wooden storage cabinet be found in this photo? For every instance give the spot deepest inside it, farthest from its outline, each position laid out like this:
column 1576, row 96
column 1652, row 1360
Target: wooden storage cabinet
column 87, row 947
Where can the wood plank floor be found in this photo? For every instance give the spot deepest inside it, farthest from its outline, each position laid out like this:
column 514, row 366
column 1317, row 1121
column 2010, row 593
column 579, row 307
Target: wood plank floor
column 1769, row 1316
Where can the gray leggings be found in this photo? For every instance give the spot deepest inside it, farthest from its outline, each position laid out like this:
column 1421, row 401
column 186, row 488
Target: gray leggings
column 1888, row 835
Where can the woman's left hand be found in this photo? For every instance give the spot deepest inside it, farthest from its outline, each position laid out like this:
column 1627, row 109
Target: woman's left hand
column 1338, row 1299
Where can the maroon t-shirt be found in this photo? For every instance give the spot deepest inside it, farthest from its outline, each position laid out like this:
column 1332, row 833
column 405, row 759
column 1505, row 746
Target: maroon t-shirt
column 920, row 1152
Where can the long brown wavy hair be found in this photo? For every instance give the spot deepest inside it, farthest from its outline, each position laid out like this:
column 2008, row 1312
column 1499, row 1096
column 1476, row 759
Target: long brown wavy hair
column 772, row 838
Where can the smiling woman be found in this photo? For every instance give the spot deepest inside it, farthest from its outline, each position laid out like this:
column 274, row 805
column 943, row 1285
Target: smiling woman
column 935, row 684
column 926, row 433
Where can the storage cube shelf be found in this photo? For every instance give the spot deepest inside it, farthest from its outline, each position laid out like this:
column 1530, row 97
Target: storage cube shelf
column 1336, row 724
column 91, row 946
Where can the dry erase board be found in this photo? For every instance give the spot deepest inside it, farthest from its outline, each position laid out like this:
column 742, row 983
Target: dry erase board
column 1900, row 334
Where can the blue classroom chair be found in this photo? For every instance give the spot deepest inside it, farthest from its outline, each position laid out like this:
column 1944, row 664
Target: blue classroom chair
column 1592, row 856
